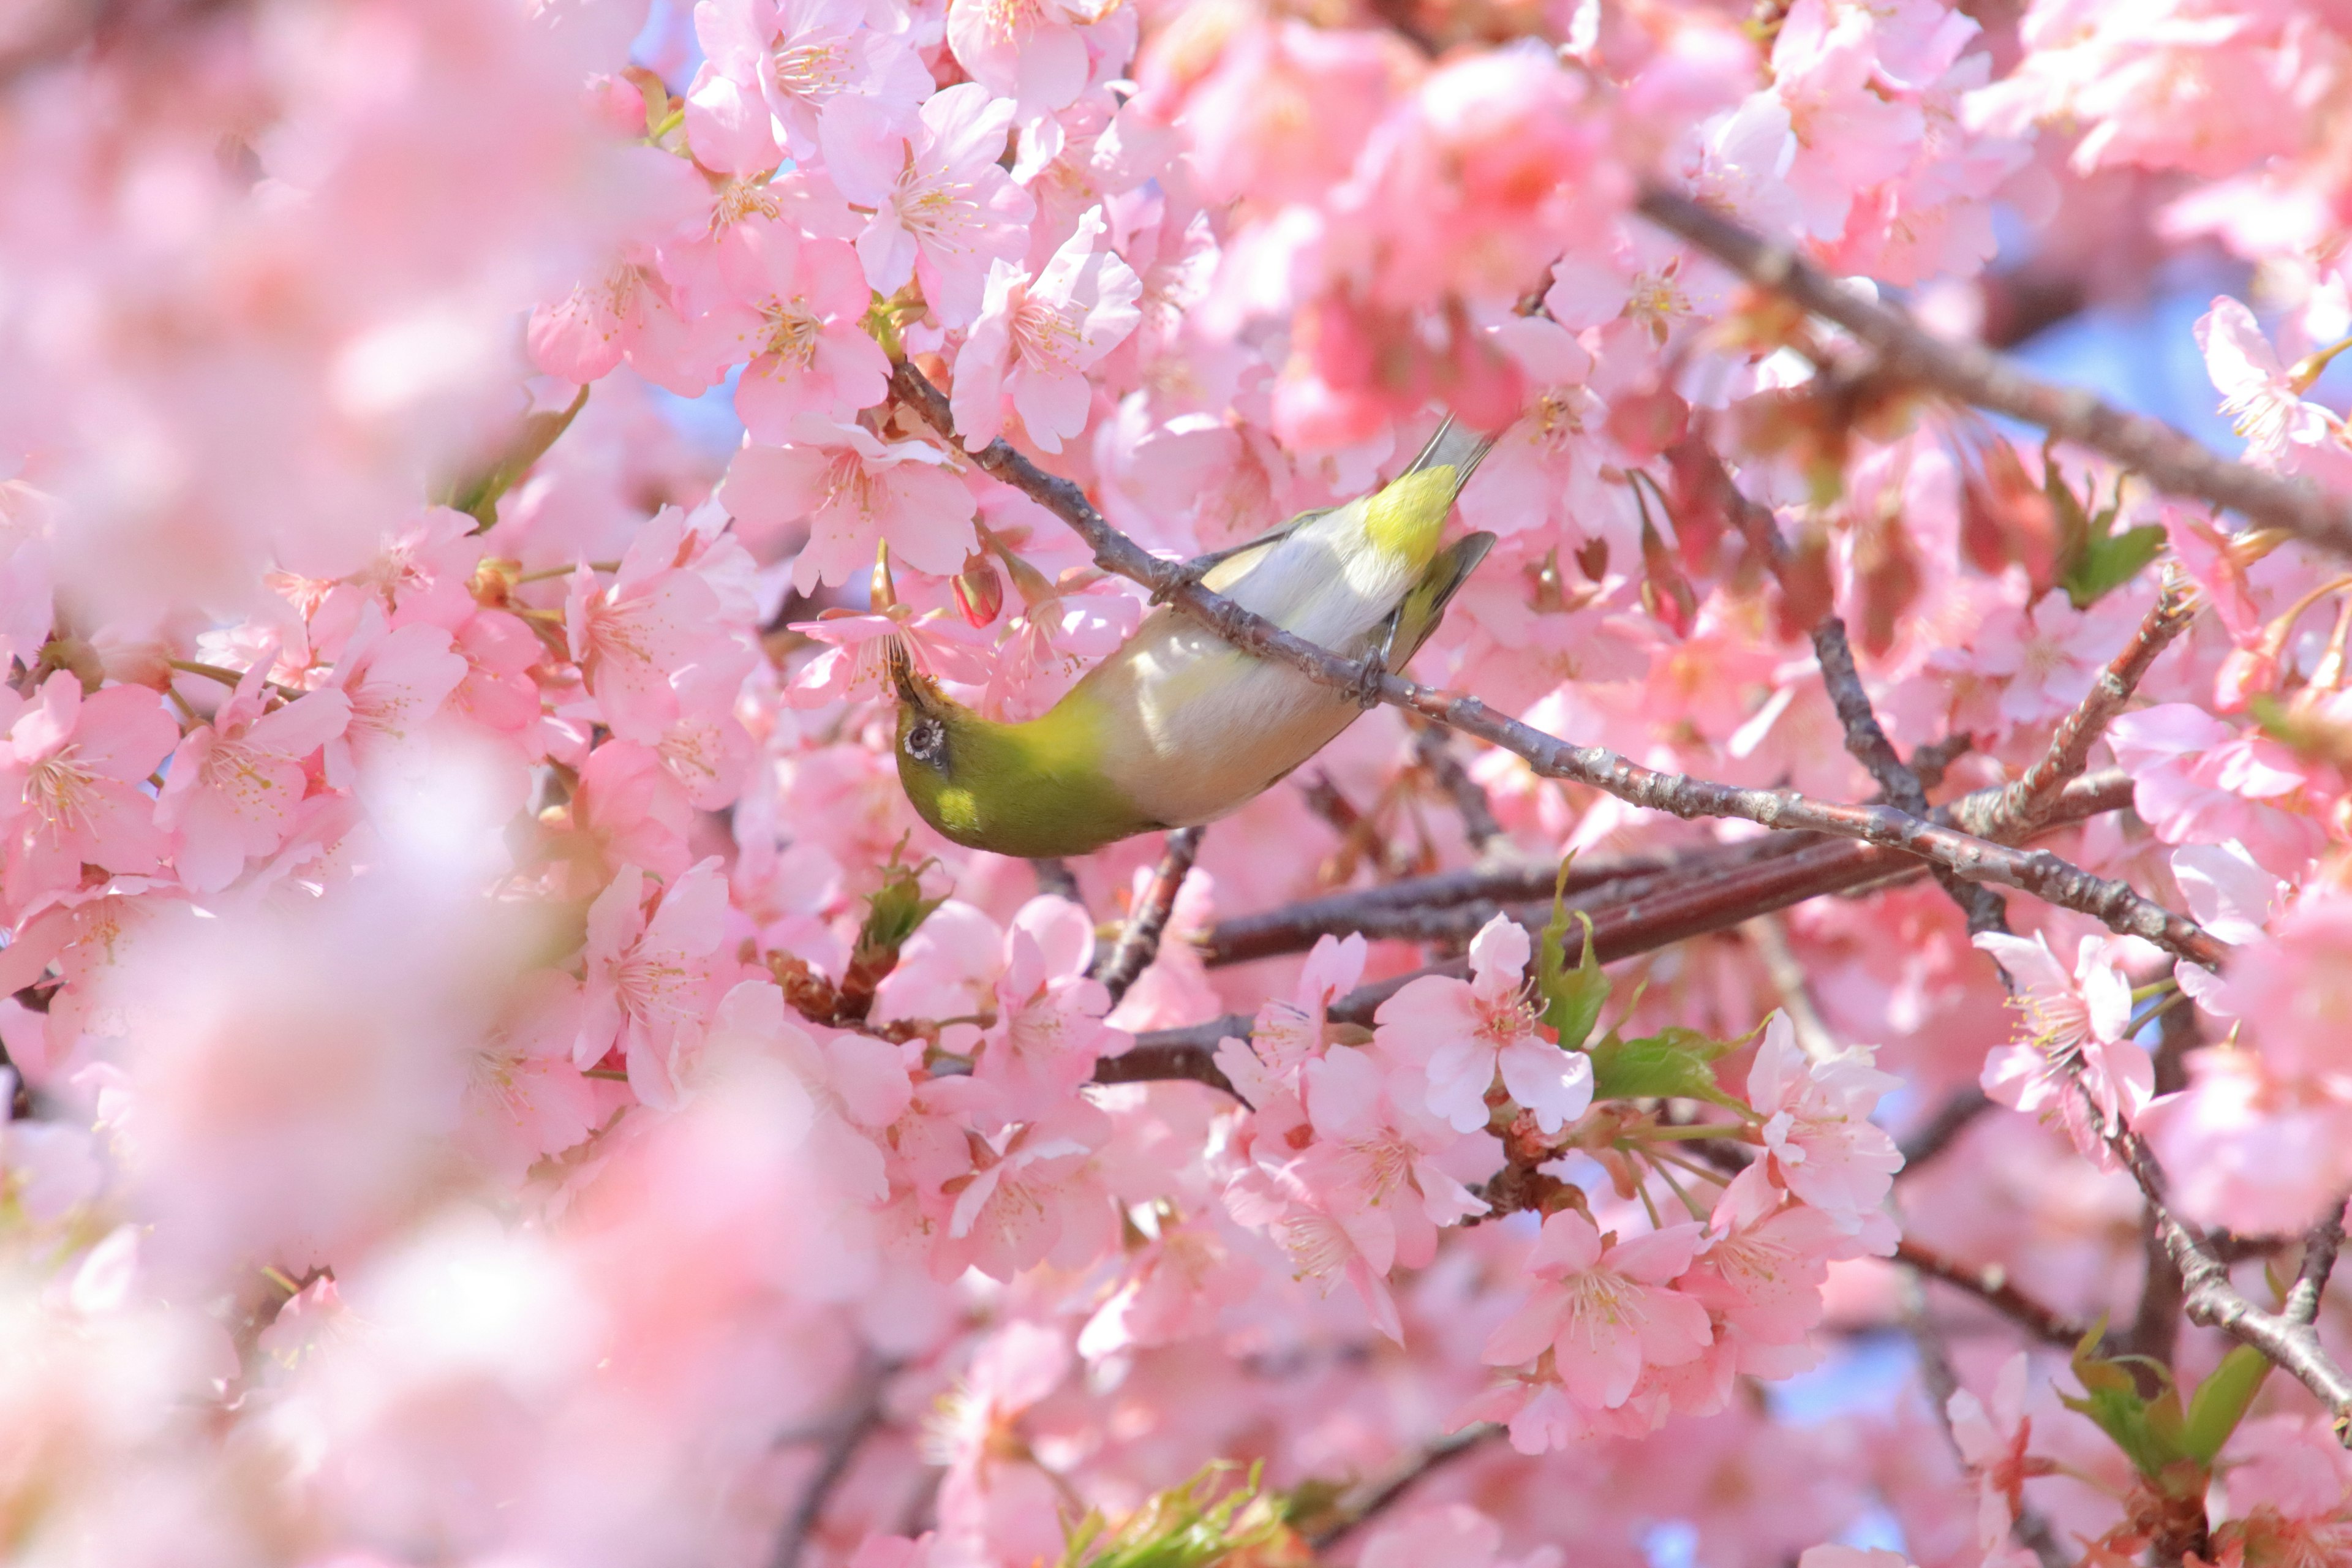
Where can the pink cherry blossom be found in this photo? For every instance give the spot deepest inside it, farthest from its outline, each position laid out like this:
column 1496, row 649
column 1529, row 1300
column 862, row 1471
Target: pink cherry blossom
column 1604, row 1308
column 628, row 637
column 797, row 311
column 1817, row 1132
column 396, row 680
column 2075, row 1053
column 232, row 787
column 2282, row 430
column 803, row 56
column 649, row 975
column 1375, row 1158
column 1328, row 1245
column 1032, row 1197
column 1993, row 1443
column 71, row 778
column 942, row 208
column 857, row 492
column 1057, row 641
column 1036, row 338
column 1468, row 1032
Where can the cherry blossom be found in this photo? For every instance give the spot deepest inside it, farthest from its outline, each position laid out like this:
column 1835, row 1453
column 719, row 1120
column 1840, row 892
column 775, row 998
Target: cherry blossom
column 1817, row 1132
column 1035, row 338
column 1603, row 1308
column 649, row 974
column 941, row 206
column 232, row 787
column 494, row 1059
column 72, row 777
column 1468, row 1033
column 857, row 492
column 2075, row 1053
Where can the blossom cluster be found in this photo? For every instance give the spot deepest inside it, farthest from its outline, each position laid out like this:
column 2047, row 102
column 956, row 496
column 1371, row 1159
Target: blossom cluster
column 495, row 1071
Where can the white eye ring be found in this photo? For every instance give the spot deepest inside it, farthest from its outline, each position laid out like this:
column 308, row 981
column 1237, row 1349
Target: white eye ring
column 927, row 740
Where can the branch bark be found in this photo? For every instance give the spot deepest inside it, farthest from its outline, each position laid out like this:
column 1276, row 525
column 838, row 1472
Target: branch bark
column 1631, row 916
column 1990, row 1284
column 2116, row 904
column 2018, row 809
column 2166, row 457
column 1139, row 941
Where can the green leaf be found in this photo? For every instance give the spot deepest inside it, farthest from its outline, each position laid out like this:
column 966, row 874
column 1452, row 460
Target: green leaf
column 1572, row 998
column 1673, row 1063
column 2220, row 1402
column 1185, row 1526
column 478, row 494
column 2109, row 560
column 2150, row 1432
column 895, row 910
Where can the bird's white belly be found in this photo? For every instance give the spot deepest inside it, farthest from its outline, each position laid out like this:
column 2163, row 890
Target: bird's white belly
column 1217, row 726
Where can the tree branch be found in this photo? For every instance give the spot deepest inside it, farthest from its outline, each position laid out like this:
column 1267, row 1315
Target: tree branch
column 2017, row 810
column 1631, row 916
column 1990, row 1284
column 1867, row 742
column 2167, row 459
column 1936, row 1133
column 1356, row 1508
column 858, row 1423
column 1479, row 824
column 2116, row 904
column 1138, row 942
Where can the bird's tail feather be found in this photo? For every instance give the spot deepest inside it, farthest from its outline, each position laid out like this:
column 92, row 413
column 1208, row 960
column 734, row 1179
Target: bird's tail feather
column 1457, row 445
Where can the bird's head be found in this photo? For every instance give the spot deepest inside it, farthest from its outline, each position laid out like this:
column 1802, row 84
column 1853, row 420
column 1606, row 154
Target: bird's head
column 928, row 719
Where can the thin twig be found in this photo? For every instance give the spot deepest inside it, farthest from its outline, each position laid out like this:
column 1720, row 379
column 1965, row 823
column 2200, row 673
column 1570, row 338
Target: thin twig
column 1990, row 1284
column 1936, row 1375
column 1936, row 1134
column 1788, row 977
column 2165, row 457
column 1869, row 745
column 1864, row 736
column 2211, row 1299
column 1357, row 1507
column 1138, row 942
column 1479, row 824
column 2116, row 904
column 1055, row 877
column 2319, row 1250
column 1636, row 916
column 2018, row 809
column 841, row 1445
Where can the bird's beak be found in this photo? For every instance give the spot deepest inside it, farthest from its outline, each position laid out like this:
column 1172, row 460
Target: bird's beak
column 902, row 672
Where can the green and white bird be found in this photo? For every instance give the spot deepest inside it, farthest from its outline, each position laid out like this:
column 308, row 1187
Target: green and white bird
column 1178, row 727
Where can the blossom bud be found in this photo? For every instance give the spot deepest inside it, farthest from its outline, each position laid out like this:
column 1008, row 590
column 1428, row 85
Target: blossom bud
column 980, row 589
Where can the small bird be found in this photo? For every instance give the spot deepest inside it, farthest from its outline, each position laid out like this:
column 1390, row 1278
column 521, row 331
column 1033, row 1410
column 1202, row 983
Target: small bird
column 1178, row 727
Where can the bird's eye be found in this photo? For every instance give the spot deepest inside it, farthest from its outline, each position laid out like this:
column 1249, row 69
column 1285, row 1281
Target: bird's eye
column 927, row 742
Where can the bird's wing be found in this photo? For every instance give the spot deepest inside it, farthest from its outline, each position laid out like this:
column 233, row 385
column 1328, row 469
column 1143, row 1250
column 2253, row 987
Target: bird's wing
column 1221, row 569
column 1424, row 602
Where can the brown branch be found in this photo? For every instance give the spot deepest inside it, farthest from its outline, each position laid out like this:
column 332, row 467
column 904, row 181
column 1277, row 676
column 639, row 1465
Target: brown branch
column 1864, row 739
column 1630, row 916
column 857, row 1424
column 2168, row 459
column 1936, row 1377
column 1138, row 942
column 1867, row 742
column 2017, row 810
column 1990, row 1285
column 1357, row 1507
column 1937, row 1134
column 1479, row 824
column 1055, row 877
column 2114, row 903
column 2211, row 1299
